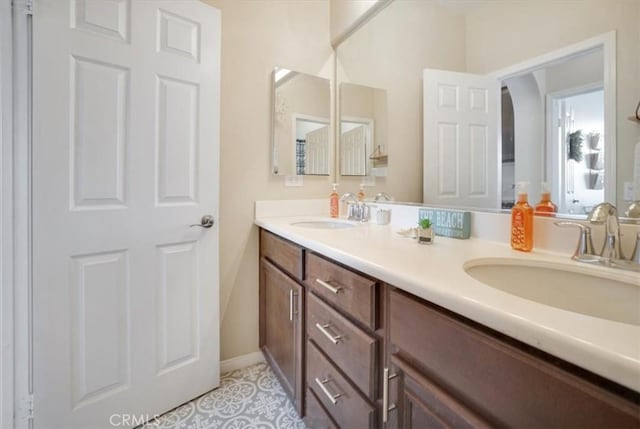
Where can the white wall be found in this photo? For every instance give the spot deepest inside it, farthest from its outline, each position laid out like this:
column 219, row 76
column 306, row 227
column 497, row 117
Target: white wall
column 529, row 132
column 256, row 37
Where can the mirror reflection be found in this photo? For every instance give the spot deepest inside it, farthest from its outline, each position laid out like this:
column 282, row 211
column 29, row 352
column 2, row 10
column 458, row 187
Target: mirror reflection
column 363, row 131
column 551, row 123
column 579, row 140
column 301, row 112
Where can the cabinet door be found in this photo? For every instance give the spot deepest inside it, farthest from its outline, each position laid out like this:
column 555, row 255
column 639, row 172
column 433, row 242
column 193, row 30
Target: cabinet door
column 281, row 304
column 422, row 404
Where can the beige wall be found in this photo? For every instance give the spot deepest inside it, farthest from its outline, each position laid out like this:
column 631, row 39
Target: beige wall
column 345, row 14
column 546, row 25
column 390, row 52
column 256, row 37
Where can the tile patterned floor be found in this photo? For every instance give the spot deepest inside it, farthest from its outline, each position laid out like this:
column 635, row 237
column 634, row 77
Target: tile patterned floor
column 248, row 398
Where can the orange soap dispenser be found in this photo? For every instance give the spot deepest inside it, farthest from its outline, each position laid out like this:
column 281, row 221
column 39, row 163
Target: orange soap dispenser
column 545, row 207
column 522, row 221
column 334, row 208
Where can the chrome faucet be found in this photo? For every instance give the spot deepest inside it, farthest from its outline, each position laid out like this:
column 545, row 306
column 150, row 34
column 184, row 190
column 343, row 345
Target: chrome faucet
column 381, row 196
column 607, row 214
column 611, row 254
column 585, row 251
column 356, row 210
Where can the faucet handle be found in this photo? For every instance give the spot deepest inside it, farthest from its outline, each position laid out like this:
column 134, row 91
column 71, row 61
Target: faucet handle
column 636, row 251
column 585, row 244
column 364, row 211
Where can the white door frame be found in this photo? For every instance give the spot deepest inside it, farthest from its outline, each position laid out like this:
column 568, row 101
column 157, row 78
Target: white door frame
column 6, row 215
column 607, row 42
column 15, row 215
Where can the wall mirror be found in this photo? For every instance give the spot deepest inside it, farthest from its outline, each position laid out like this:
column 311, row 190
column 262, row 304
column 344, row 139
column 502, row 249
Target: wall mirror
column 542, row 120
column 489, row 39
column 363, row 130
column 301, row 140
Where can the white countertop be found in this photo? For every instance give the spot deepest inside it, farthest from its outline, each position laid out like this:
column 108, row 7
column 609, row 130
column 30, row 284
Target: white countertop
column 435, row 273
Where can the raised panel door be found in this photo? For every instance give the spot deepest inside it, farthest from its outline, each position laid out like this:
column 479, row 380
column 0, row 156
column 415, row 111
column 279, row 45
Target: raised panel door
column 281, row 328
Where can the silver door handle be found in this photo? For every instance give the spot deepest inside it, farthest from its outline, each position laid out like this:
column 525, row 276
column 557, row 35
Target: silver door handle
column 328, row 286
column 323, row 329
column 333, row 398
column 291, row 294
column 206, row 222
column 385, row 395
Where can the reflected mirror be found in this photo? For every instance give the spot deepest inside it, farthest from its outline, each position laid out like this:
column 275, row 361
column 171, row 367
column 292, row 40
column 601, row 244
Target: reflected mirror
column 363, row 131
column 300, row 123
column 580, row 137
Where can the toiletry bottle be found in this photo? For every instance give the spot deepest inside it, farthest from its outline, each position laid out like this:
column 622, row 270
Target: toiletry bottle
column 545, row 207
column 522, row 221
column 334, row 201
column 361, row 193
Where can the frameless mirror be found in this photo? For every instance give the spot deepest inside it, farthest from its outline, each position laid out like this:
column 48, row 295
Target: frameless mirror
column 551, row 117
column 300, row 122
column 488, row 38
column 363, row 131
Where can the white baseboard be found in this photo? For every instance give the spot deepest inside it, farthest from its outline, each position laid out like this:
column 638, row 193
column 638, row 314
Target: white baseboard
column 239, row 362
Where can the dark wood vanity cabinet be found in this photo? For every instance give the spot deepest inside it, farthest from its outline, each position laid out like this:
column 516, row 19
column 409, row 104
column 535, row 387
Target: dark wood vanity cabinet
column 282, row 316
column 447, row 371
column 353, row 352
column 344, row 342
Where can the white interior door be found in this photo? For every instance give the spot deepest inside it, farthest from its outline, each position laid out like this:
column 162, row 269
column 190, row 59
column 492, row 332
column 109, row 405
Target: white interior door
column 125, row 158
column 317, row 151
column 353, row 152
column 461, row 146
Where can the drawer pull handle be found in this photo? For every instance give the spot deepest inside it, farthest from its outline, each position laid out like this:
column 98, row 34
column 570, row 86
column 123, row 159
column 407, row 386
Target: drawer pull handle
column 385, row 395
column 291, row 305
column 333, row 398
column 328, row 286
column 323, row 329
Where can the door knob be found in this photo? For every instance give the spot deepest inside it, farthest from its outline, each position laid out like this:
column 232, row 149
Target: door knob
column 206, row 222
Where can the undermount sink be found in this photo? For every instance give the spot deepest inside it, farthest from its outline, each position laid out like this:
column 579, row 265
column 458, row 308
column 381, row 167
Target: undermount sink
column 581, row 290
column 323, row 224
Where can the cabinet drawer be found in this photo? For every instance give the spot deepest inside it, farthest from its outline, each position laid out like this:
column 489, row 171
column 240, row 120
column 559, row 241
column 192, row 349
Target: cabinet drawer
column 315, row 416
column 353, row 293
column 284, row 254
column 510, row 386
column 339, row 398
column 349, row 347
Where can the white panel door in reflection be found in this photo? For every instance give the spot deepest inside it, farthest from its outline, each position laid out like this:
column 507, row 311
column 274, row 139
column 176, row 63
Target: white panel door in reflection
column 461, row 147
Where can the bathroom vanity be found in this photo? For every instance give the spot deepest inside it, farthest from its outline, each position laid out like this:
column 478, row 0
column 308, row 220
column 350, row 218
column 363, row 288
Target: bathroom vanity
column 358, row 339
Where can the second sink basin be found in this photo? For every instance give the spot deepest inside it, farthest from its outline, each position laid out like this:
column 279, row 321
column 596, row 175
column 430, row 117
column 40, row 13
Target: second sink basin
column 581, row 290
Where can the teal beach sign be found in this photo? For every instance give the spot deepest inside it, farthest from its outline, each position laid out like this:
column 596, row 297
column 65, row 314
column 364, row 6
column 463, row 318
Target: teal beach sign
column 448, row 223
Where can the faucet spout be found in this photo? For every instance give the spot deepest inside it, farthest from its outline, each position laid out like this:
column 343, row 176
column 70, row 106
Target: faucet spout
column 607, row 214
